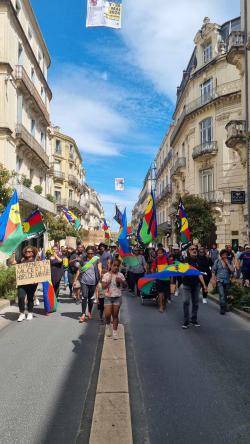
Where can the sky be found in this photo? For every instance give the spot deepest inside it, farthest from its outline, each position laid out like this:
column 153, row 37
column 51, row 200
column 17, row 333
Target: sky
column 114, row 90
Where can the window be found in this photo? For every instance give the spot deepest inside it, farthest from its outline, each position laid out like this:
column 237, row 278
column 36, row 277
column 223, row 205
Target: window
column 18, row 164
column 71, row 152
column 41, row 180
column 207, row 52
column 18, row 7
column 31, row 174
column 20, row 54
column 58, row 196
column 58, row 147
column 33, row 127
column 206, row 130
column 207, row 181
column 70, row 194
column 32, row 74
column 29, row 34
column 57, row 166
column 39, row 57
column 42, row 92
column 42, row 138
column 207, row 91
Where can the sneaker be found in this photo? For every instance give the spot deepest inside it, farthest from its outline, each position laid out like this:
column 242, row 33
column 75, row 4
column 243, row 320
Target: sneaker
column 21, row 317
column 195, row 324
column 204, row 300
column 30, row 317
column 36, row 302
column 82, row 319
column 115, row 334
column 185, row 326
column 109, row 331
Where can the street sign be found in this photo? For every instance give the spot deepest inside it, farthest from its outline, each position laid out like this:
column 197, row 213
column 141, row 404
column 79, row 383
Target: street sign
column 238, row 197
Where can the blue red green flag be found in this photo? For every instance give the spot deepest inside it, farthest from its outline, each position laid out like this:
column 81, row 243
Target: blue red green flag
column 72, row 218
column 11, row 231
column 34, row 225
column 148, row 229
column 183, row 225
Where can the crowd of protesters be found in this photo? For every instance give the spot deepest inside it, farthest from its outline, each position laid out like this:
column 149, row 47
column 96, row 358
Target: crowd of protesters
column 96, row 274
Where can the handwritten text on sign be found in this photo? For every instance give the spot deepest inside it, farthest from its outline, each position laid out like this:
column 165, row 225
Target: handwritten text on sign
column 33, row 272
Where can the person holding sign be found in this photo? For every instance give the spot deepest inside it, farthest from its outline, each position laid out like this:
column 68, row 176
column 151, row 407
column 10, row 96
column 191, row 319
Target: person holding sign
column 29, row 254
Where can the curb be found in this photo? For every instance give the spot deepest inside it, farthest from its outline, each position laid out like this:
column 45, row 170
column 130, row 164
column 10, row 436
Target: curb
column 238, row 312
column 4, row 303
column 112, row 417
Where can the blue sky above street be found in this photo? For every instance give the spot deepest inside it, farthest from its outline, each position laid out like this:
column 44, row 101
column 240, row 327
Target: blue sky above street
column 114, row 90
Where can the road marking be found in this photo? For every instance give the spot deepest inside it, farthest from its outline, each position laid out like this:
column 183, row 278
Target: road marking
column 112, row 417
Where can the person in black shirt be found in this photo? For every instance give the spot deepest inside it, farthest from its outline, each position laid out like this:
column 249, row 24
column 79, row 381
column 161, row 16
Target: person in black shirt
column 205, row 265
column 191, row 289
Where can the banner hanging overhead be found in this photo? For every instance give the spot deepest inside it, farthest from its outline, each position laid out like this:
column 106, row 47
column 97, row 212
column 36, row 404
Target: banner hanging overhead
column 104, row 13
column 119, row 184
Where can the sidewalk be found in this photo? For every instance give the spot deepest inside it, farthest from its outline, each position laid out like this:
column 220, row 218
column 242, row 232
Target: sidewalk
column 241, row 313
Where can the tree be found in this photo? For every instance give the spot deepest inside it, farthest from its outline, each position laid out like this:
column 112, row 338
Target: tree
column 200, row 219
column 5, row 190
column 58, row 228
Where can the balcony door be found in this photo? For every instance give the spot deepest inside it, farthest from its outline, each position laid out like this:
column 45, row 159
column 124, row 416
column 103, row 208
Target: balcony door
column 206, row 131
column 206, row 91
column 207, row 183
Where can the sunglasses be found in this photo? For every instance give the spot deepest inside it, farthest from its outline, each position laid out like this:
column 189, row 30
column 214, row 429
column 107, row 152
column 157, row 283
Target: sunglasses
column 90, row 252
column 192, row 249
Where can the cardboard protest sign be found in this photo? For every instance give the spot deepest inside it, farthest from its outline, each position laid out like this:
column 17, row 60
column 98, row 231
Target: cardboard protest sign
column 70, row 242
column 33, row 272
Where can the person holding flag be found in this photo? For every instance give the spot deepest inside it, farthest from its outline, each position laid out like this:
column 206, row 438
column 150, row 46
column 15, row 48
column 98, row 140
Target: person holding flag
column 191, row 289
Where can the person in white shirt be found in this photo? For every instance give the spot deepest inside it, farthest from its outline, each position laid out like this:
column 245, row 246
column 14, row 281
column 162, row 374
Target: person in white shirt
column 113, row 282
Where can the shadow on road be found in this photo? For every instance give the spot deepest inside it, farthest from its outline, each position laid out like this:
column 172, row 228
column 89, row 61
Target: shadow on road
column 10, row 316
column 70, row 422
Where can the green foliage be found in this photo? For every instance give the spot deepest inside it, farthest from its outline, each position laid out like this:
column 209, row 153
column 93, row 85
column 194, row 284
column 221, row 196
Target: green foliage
column 5, row 190
column 50, row 198
column 240, row 296
column 59, row 228
column 38, row 189
column 26, row 182
column 200, row 219
column 7, row 282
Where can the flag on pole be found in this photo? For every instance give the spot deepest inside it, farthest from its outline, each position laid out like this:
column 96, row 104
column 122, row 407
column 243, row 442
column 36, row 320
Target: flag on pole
column 49, row 297
column 124, row 248
column 106, row 229
column 11, row 231
column 182, row 223
column 148, row 230
column 72, row 218
column 104, row 13
column 34, row 225
column 118, row 215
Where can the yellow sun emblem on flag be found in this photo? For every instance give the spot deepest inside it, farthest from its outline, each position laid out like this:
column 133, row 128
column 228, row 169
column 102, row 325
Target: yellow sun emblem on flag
column 184, row 224
column 26, row 227
column 15, row 214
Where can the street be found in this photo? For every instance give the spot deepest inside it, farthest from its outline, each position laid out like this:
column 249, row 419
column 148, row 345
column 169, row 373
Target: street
column 185, row 386
column 189, row 386
column 46, row 376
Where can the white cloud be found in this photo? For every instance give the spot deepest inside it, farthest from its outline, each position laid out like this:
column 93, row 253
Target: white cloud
column 160, row 34
column 85, row 107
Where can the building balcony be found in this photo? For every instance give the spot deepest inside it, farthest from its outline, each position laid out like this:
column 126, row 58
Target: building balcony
column 213, row 197
column 35, row 200
column 73, row 180
column 164, row 163
column 73, row 204
column 58, row 175
column 24, row 138
column 179, row 164
column 236, row 133
column 206, row 149
column 236, row 47
column 165, row 228
column 203, row 100
column 25, row 84
column 166, row 192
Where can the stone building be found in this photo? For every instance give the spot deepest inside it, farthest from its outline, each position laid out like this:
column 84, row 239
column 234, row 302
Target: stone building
column 194, row 157
column 24, row 104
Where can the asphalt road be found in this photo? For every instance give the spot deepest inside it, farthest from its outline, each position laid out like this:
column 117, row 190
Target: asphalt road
column 48, row 377
column 187, row 386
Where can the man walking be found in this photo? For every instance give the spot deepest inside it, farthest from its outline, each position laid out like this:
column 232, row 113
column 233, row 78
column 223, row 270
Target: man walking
column 191, row 290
